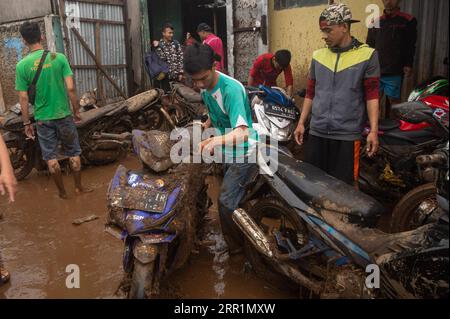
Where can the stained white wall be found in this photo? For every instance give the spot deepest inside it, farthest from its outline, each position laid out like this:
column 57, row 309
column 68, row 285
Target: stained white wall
column 14, row 10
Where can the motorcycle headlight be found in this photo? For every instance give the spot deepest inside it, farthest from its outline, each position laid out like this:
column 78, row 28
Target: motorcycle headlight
column 145, row 253
column 283, row 134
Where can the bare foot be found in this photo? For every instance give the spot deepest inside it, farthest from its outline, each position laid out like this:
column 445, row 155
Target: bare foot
column 4, row 276
column 83, row 190
column 63, row 196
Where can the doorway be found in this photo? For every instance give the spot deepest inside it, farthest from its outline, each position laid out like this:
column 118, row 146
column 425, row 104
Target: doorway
column 185, row 16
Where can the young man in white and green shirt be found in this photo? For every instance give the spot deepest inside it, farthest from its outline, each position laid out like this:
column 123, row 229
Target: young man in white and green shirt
column 230, row 114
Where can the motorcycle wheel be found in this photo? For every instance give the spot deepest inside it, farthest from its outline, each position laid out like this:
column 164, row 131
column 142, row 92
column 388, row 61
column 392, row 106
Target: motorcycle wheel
column 142, row 281
column 21, row 160
column 406, row 214
column 270, row 208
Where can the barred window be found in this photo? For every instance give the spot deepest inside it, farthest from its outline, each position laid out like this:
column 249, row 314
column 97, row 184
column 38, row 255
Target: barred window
column 287, row 4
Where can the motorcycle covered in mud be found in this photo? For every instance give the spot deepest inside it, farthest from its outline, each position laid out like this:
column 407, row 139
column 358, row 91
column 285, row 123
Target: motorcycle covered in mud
column 420, row 206
column 156, row 212
column 178, row 108
column 393, row 171
column 102, row 134
column 303, row 225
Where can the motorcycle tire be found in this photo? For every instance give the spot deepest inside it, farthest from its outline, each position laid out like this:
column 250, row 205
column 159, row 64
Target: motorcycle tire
column 263, row 268
column 404, row 214
column 22, row 170
column 142, row 280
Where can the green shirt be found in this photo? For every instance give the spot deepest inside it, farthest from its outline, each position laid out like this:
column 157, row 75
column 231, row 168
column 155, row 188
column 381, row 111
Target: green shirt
column 229, row 108
column 51, row 101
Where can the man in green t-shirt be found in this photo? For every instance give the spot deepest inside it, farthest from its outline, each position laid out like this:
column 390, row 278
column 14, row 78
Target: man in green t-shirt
column 230, row 114
column 54, row 121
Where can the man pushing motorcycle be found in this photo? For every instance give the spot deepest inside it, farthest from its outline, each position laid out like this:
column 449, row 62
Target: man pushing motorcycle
column 229, row 113
column 40, row 80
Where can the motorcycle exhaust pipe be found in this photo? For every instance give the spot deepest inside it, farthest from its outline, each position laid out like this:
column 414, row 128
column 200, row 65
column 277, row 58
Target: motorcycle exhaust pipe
column 253, row 232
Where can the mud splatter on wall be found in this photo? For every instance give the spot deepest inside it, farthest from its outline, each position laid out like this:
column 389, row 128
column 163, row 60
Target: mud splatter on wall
column 12, row 50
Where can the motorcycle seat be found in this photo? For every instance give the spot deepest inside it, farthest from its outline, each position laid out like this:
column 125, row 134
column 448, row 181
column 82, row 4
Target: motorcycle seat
column 92, row 115
column 399, row 137
column 388, row 124
column 189, row 94
column 326, row 192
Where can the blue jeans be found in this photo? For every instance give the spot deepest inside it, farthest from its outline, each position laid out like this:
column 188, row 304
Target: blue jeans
column 51, row 133
column 235, row 182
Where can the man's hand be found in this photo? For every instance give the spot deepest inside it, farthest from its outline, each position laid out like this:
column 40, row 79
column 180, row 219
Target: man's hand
column 408, row 71
column 8, row 183
column 299, row 133
column 29, row 131
column 180, row 77
column 210, row 144
column 77, row 117
column 207, row 124
column 373, row 144
column 290, row 91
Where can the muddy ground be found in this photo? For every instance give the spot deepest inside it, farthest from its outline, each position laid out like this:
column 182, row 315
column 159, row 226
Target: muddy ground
column 38, row 241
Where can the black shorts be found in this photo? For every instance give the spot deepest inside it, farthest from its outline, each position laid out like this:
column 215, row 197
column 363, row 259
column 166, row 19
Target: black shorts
column 337, row 158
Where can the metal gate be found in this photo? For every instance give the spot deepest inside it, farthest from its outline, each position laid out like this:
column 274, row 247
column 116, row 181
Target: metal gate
column 96, row 41
column 247, row 34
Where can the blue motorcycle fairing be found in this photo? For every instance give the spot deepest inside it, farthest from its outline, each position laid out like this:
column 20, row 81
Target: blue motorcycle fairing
column 332, row 238
column 276, row 97
column 135, row 219
column 156, row 237
column 138, row 134
column 341, row 238
column 115, row 182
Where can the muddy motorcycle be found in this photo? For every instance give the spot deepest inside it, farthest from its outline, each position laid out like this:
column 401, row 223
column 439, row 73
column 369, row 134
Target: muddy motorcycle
column 179, row 108
column 274, row 113
column 318, row 232
column 102, row 135
column 156, row 212
column 419, row 206
column 394, row 171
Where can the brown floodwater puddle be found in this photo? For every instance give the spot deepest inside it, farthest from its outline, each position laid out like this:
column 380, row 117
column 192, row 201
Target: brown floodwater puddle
column 38, row 241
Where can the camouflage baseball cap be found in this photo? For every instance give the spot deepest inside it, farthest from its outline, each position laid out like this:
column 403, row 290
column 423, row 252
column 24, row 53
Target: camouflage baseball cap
column 336, row 14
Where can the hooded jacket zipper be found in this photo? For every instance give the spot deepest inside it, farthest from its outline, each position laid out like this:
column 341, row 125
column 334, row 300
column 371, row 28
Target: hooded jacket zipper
column 334, row 89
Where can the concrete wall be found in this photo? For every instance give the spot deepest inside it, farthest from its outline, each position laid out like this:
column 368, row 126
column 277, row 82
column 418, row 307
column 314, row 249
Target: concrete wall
column 14, row 10
column 297, row 30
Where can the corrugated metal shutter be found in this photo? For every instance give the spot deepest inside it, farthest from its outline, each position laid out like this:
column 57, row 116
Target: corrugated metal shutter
column 432, row 43
column 108, row 21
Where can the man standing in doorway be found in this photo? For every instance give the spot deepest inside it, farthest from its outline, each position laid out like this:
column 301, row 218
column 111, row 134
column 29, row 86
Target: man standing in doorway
column 55, row 123
column 206, row 34
column 343, row 87
column 171, row 52
column 395, row 41
column 269, row 66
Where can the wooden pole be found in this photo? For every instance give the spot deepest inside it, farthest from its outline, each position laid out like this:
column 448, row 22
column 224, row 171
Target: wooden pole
column 97, row 63
column 98, row 53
